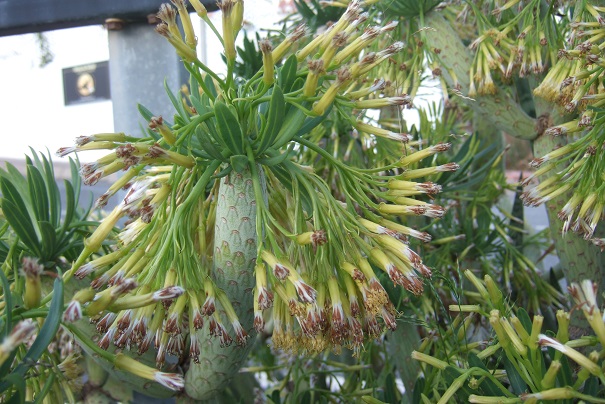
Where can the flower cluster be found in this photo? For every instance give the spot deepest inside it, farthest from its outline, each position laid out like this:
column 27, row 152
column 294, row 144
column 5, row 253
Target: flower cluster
column 575, row 79
column 227, row 200
column 580, row 173
column 335, row 302
column 504, row 48
column 575, row 83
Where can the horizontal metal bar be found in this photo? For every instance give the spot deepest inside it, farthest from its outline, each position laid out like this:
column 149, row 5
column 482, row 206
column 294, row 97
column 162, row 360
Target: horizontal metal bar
column 25, row 16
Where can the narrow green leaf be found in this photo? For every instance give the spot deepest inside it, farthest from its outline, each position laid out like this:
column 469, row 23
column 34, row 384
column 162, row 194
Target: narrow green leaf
column 287, row 74
column 8, row 300
column 290, row 127
column 49, row 240
column 516, row 381
column 145, row 113
column 38, row 193
column 228, row 128
column 7, row 325
column 390, row 390
column 312, row 122
column 54, row 196
column 51, row 324
column 239, row 163
column 17, row 179
column 275, row 397
column 22, row 225
column 75, row 180
column 12, row 194
column 305, row 399
column 200, row 108
column 418, row 390
column 70, row 206
column 194, row 87
column 207, row 144
column 210, row 85
column 450, row 375
column 46, row 388
column 591, row 387
column 176, row 102
column 276, row 158
column 274, row 120
column 225, row 171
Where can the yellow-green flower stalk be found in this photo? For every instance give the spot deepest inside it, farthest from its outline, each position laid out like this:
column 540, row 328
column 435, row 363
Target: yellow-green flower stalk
column 199, row 8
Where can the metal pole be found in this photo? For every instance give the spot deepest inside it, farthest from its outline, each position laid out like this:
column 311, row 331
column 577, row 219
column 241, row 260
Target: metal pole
column 139, row 62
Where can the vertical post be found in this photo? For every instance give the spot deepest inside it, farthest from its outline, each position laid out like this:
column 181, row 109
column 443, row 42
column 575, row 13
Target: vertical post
column 139, row 62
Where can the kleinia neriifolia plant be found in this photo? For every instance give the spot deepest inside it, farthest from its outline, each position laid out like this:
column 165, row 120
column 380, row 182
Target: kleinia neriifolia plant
column 228, row 222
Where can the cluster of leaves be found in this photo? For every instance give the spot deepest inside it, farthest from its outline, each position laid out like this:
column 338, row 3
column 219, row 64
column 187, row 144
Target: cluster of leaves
column 42, row 224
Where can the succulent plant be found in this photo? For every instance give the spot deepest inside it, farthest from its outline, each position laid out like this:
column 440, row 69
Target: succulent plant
column 229, row 218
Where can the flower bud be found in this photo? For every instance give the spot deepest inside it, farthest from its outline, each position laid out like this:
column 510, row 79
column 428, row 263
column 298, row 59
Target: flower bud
column 563, row 319
column 316, row 238
column 33, row 286
column 199, row 8
column 494, row 291
column 229, row 17
column 548, row 381
column 422, row 357
column 157, row 124
column 268, row 62
column 190, row 38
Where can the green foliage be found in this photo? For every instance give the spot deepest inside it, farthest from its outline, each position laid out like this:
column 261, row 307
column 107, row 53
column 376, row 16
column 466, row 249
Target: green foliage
column 250, row 58
column 514, row 367
column 314, row 14
column 33, row 209
column 43, row 227
column 480, row 332
column 12, row 383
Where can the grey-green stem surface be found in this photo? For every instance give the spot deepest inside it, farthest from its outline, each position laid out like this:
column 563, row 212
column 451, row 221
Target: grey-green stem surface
column 235, row 249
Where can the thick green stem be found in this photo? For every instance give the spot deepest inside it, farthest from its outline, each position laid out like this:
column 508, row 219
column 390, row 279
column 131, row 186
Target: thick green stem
column 579, row 259
column 500, row 109
column 235, row 245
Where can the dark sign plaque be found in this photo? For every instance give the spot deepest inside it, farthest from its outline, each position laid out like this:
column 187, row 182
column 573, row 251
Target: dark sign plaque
column 86, row 83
